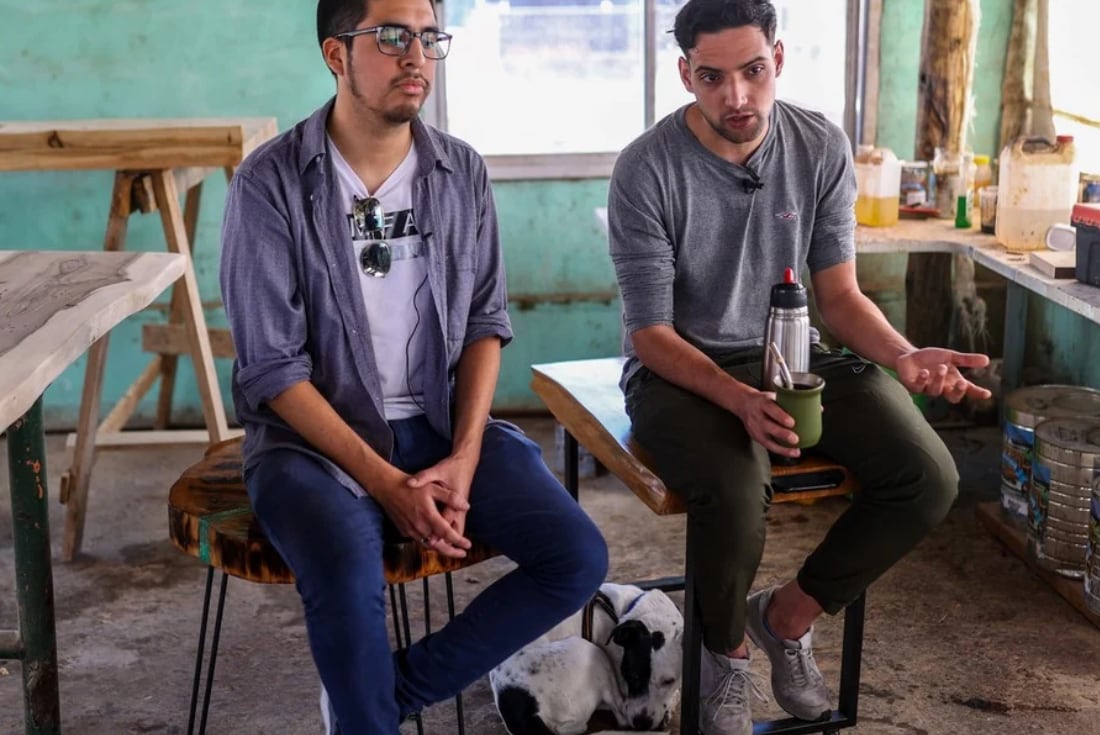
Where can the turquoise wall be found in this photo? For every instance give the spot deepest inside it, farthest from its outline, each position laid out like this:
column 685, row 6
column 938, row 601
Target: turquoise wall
column 134, row 58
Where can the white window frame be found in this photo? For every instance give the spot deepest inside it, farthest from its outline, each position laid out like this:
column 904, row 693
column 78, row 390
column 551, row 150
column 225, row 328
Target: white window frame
column 599, row 165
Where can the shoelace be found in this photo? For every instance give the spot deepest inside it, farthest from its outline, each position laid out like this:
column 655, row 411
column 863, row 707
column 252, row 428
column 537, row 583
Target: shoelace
column 730, row 692
column 803, row 667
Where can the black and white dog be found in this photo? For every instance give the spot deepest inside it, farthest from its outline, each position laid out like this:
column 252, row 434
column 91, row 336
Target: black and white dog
column 621, row 653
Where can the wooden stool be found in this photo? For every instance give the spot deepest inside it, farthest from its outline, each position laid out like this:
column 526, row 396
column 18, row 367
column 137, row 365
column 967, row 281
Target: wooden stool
column 209, row 517
column 584, row 397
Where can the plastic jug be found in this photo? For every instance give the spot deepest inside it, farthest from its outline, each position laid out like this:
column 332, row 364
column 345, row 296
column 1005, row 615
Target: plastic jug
column 878, row 184
column 1036, row 189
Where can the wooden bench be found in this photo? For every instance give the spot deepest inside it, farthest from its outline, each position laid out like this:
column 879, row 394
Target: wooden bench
column 210, row 518
column 584, row 397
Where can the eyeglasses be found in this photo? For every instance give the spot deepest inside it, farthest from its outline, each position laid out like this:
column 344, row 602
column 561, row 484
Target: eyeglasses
column 370, row 219
column 396, row 40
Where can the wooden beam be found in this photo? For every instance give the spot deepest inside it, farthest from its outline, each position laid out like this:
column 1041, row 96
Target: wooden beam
column 172, row 438
column 130, row 144
column 943, row 111
column 201, row 356
column 124, row 409
column 172, row 339
column 944, row 105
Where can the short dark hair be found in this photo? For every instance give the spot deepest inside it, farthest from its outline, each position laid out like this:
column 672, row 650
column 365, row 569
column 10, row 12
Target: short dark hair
column 711, row 16
column 337, row 16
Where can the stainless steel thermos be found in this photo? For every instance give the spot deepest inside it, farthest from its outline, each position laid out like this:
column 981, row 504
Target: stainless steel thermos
column 789, row 328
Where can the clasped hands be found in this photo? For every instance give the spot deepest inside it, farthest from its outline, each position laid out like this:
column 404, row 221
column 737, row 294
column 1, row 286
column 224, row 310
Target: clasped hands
column 431, row 505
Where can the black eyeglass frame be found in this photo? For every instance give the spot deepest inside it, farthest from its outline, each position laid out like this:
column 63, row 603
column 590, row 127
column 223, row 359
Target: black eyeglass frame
column 443, row 40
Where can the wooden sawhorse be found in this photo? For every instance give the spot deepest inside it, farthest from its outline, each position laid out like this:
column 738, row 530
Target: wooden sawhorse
column 153, row 160
column 584, row 397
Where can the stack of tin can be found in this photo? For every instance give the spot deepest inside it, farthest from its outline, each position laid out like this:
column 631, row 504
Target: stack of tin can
column 1092, row 555
column 1064, row 469
column 1025, row 408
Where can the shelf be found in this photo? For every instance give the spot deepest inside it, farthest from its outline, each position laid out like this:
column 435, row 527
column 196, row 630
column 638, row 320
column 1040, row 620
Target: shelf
column 1073, row 590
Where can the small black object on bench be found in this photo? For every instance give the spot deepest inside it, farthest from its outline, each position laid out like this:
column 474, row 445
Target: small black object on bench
column 584, row 397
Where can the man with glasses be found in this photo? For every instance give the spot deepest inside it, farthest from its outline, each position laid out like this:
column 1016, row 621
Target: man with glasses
column 364, row 285
column 706, row 210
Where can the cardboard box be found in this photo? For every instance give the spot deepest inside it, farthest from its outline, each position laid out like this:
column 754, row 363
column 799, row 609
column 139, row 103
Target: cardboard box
column 1086, row 218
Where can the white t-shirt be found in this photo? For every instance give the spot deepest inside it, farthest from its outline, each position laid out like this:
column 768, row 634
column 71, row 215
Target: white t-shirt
column 399, row 305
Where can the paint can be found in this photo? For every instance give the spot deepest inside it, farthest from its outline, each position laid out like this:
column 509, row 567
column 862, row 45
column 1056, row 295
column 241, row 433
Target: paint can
column 1092, row 556
column 1024, row 409
column 1065, row 472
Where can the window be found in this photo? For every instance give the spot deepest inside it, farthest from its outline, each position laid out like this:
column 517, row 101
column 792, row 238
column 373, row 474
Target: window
column 566, row 79
column 1074, row 83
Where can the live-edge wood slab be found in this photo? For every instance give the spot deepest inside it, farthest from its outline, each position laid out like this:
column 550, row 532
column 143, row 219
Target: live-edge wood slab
column 55, row 304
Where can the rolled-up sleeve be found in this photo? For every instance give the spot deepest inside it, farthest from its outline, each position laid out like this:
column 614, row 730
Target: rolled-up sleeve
column 641, row 251
column 263, row 300
column 488, row 315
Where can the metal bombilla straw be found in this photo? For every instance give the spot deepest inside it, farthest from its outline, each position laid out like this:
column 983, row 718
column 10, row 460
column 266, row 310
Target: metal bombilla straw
column 784, row 371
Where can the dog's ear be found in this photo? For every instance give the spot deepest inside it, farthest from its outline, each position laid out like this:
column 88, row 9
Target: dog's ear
column 629, row 633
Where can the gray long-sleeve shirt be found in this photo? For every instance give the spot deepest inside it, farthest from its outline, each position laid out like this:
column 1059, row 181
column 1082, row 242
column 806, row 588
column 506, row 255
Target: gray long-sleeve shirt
column 696, row 247
column 290, row 282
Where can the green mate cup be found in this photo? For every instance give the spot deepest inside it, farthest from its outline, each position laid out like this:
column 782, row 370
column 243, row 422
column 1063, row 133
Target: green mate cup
column 803, row 403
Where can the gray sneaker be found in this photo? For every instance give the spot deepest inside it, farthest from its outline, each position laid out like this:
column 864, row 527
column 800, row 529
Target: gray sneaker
column 725, row 685
column 797, row 683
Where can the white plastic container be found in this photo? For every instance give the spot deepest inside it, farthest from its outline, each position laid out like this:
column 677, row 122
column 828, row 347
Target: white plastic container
column 878, row 184
column 1036, row 189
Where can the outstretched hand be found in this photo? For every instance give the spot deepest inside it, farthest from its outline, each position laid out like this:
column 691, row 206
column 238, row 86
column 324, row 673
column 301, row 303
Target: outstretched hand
column 935, row 371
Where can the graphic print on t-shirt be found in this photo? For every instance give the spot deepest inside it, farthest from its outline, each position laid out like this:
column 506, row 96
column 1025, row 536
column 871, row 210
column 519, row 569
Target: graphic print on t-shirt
column 399, row 305
column 397, row 224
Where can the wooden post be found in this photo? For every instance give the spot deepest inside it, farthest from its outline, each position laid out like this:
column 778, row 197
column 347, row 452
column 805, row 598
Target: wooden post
column 943, row 113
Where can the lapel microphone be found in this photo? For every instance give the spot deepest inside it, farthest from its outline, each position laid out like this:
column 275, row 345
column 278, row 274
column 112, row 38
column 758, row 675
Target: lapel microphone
column 753, row 183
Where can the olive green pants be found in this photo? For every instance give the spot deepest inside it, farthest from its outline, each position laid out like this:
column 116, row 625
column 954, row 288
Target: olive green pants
column 906, row 475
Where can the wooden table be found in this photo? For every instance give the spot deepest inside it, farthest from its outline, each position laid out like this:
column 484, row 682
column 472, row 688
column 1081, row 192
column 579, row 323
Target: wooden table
column 153, row 160
column 53, row 306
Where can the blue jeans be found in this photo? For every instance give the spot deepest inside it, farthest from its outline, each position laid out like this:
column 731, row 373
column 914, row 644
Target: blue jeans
column 332, row 541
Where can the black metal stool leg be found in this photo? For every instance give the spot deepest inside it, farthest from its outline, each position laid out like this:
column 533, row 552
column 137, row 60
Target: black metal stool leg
column 396, row 620
column 404, row 604
column 200, row 651
column 571, row 462
column 451, row 616
column 851, row 655
column 693, row 643
column 427, row 607
column 213, row 653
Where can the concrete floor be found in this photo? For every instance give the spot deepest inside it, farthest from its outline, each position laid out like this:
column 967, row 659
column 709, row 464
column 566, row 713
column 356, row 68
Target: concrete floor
column 961, row 637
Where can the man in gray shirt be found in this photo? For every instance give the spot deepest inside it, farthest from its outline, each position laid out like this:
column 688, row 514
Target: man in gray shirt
column 706, row 211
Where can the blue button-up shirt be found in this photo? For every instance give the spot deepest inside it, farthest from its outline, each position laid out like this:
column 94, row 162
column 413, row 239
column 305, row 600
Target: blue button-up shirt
column 290, row 283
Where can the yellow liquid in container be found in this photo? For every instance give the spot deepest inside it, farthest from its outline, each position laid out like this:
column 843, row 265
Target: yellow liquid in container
column 878, row 186
column 877, row 211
